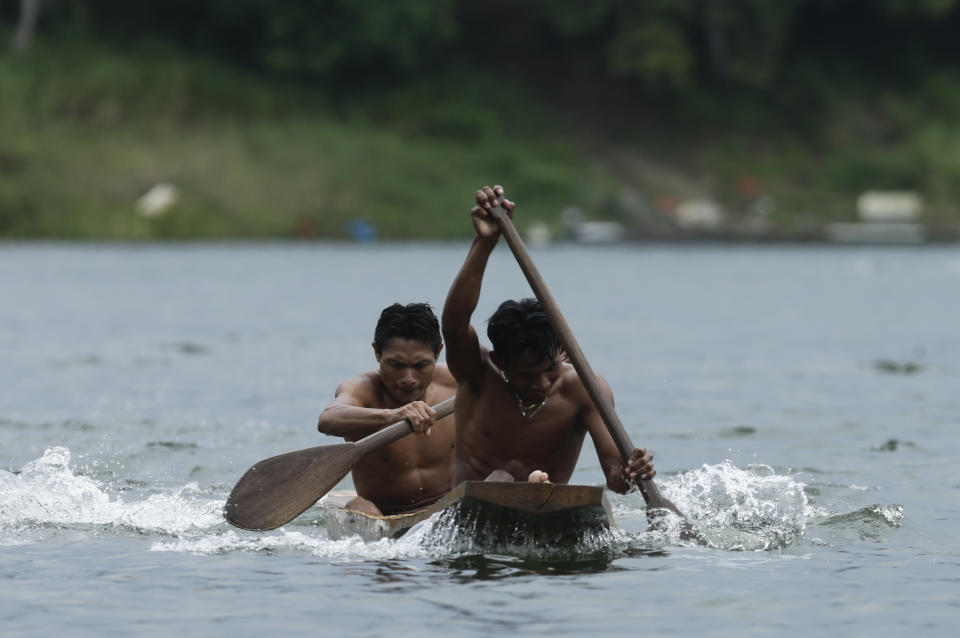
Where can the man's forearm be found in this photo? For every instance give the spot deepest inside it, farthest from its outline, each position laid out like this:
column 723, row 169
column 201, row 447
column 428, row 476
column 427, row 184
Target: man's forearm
column 350, row 421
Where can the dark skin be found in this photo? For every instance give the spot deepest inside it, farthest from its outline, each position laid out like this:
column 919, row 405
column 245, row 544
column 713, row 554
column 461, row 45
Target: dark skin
column 493, row 438
column 416, row 470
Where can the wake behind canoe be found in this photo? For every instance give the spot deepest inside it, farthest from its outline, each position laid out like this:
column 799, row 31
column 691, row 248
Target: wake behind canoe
column 542, row 512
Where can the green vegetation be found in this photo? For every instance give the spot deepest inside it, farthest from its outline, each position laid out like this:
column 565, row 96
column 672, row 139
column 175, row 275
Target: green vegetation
column 86, row 132
column 273, row 124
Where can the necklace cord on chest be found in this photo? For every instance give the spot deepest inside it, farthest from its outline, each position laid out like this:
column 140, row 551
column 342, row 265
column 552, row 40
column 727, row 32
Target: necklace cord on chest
column 529, row 410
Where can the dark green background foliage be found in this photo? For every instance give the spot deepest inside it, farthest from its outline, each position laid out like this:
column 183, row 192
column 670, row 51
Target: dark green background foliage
column 295, row 117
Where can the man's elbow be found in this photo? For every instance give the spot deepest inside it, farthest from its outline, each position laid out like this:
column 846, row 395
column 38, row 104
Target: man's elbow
column 448, row 325
column 325, row 425
column 616, row 483
column 453, row 333
column 455, row 316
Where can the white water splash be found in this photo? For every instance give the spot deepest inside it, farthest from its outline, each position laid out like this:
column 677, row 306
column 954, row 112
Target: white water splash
column 47, row 492
column 410, row 545
column 735, row 509
column 867, row 523
column 892, row 514
column 454, row 532
column 440, row 536
column 748, row 509
column 419, row 542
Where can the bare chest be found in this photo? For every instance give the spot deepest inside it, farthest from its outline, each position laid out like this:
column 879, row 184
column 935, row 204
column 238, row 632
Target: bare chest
column 416, row 451
column 496, row 435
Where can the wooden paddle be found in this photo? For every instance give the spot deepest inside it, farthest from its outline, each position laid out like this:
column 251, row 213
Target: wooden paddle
column 656, row 502
column 276, row 490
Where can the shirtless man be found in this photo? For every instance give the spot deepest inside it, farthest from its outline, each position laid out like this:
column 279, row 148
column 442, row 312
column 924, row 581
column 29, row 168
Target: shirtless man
column 522, row 412
column 416, row 470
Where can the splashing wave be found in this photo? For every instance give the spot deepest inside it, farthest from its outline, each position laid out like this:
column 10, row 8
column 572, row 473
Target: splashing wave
column 751, row 509
column 748, row 509
column 48, row 493
column 868, row 523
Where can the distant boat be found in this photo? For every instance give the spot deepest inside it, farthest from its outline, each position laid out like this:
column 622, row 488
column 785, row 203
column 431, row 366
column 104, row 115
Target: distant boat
column 877, row 233
column 886, row 217
column 578, row 229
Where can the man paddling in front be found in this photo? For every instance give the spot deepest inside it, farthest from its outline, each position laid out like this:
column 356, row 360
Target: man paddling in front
column 416, row 470
column 522, row 411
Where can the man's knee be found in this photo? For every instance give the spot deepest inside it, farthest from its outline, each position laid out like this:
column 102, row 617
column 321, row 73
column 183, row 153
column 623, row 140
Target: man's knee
column 501, row 476
column 360, row 504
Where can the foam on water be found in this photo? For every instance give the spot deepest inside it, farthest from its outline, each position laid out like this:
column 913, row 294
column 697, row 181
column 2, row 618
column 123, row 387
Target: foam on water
column 748, row 509
column 286, row 540
column 751, row 509
column 440, row 536
column 867, row 523
column 48, row 493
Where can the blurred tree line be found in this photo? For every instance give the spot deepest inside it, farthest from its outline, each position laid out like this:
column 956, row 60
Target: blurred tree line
column 812, row 101
column 673, row 46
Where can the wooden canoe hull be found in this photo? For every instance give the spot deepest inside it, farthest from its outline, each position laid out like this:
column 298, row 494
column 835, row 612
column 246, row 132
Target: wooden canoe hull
column 503, row 512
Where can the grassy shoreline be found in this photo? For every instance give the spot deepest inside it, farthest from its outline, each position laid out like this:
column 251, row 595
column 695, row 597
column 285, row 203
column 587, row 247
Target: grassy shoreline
column 85, row 131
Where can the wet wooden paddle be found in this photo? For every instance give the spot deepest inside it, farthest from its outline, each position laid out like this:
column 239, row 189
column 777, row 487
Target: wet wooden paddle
column 276, row 490
column 656, row 502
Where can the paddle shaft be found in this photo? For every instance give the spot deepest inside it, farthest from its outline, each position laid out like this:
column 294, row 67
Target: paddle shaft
column 386, row 436
column 648, row 488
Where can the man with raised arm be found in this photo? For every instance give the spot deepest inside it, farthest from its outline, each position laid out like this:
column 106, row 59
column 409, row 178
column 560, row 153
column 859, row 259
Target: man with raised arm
column 416, row 470
column 522, row 411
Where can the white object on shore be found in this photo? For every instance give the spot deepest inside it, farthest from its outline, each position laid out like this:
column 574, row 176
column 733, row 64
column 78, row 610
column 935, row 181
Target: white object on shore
column 887, row 217
column 158, row 200
column 538, row 234
column 704, row 214
column 598, row 232
column 889, row 206
column 591, row 232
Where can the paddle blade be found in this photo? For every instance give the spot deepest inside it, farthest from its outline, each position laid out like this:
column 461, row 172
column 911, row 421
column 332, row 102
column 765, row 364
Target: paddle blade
column 277, row 490
column 658, row 505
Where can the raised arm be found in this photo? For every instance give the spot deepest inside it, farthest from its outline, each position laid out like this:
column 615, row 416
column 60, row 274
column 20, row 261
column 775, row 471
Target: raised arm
column 464, row 354
column 351, row 415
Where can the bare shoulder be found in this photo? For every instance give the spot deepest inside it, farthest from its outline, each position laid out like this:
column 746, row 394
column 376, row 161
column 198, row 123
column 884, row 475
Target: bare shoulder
column 443, row 376
column 571, row 385
column 444, row 384
column 573, row 388
column 361, row 390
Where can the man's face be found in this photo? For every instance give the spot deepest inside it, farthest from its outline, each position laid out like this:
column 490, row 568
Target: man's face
column 531, row 377
column 406, row 368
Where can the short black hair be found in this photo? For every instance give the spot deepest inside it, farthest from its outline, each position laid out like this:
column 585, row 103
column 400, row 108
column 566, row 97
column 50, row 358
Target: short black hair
column 521, row 328
column 414, row 321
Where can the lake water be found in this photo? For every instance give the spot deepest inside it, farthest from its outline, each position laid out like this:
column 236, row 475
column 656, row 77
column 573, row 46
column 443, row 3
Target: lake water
column 803, row 404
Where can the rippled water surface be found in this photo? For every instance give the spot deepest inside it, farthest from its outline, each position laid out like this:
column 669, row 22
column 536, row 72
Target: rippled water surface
column 803, row 405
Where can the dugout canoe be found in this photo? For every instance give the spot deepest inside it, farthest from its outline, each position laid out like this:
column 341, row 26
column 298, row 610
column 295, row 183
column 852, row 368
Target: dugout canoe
column 499, row 512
